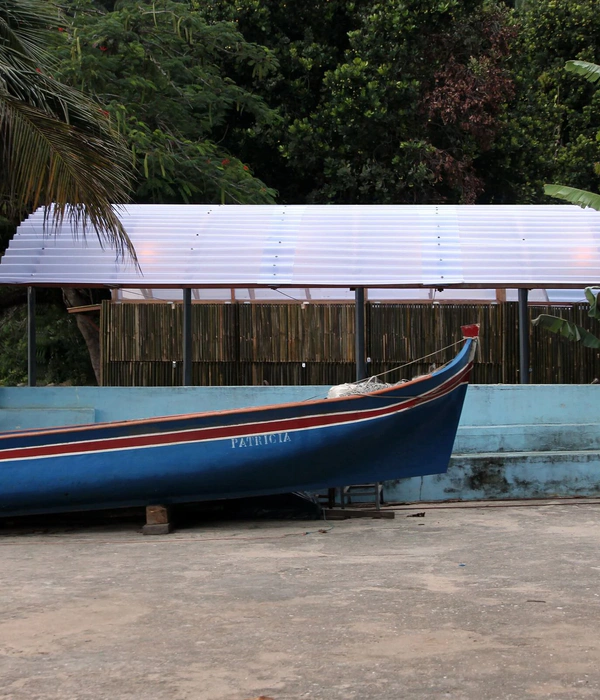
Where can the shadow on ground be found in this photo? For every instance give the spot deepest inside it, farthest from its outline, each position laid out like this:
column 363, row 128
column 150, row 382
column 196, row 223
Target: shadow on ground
column 184, row 516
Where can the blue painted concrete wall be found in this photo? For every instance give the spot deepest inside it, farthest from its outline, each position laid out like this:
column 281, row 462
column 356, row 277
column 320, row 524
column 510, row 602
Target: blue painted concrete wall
column 518, row 441
column 513, row 441
column 25, row 407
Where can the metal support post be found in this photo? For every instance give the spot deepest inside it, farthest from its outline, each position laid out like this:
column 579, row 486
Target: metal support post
column 523, row 337
column 359, row 324
column 31, row 344
column 187, row 337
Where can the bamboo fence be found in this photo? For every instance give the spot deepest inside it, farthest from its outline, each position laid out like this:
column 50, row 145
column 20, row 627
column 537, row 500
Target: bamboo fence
column 297, row 344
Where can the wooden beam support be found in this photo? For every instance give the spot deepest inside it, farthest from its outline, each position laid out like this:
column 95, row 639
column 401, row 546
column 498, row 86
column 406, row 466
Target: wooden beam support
column 83, row 309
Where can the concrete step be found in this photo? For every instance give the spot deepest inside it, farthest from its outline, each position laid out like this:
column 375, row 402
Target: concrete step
column 538, row 437
column 505, row 475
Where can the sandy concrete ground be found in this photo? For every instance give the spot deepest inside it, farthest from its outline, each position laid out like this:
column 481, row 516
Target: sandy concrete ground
column 470, row 603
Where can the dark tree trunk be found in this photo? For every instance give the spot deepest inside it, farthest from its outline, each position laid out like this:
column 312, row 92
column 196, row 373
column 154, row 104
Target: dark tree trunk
column 87, row 325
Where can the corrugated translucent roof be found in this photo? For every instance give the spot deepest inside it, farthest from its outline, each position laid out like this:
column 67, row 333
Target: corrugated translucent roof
column 344, row 294
column 232, row 246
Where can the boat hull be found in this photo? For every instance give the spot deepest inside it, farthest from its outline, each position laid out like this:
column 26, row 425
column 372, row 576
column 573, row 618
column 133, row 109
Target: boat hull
column 390, row 434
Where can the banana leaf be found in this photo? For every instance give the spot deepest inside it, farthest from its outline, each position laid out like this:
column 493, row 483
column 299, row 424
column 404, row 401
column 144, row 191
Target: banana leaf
column 571, row 194
column 591, row 294
column 568, row 330
column 590, row 71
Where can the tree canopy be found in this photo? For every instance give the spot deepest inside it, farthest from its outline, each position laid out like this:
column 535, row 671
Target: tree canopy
column 166, row 79
column 555, row 118
column 383, row 102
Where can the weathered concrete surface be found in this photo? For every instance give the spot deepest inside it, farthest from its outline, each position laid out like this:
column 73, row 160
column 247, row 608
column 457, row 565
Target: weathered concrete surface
column 370, row 609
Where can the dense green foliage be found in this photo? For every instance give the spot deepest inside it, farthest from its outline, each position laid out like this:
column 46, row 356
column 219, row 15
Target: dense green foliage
column 555, row 119
column 62, row 356
column 334, row 101
column 584, row 198
column 308, row 40
column 384, row 102
column 393, row 127
column 164, row 76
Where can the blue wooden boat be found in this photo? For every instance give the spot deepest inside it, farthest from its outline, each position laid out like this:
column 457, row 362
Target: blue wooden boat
column 402, row 431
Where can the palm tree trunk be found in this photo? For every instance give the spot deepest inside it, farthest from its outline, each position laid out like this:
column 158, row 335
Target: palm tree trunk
column 87, row 326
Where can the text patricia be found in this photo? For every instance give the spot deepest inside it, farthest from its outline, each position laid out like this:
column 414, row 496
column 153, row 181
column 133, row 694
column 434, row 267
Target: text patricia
column 257, row 440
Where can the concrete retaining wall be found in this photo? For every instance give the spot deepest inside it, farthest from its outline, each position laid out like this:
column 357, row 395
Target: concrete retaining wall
column 513, row 441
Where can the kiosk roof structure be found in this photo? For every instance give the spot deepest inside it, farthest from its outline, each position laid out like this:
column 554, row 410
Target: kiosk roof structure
column 318, row 246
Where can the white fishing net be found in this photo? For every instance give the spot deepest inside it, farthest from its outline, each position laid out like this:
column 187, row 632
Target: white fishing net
column 365, row 387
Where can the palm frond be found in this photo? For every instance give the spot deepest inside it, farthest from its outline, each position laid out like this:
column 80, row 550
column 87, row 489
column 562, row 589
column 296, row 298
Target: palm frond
column 58, row 150
column 571, row 194
column 24, row 26
column 51, row 162
column 589, row 71
column 41, row 90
